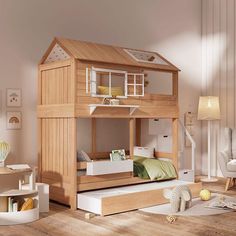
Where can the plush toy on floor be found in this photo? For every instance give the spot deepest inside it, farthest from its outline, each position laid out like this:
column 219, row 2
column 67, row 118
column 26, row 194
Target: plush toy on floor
column 180, row 198
column 171, row 219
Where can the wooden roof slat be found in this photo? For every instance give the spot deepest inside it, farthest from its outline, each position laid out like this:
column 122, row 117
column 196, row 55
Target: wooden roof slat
column 87, row 51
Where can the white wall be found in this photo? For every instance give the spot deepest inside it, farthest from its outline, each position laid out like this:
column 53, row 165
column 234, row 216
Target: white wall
column 170, row 27
column 219, row 56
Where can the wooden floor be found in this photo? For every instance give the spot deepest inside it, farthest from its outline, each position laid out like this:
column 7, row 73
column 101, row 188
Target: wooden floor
column 62, row 221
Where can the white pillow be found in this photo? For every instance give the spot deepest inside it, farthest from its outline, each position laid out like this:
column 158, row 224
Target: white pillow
column 144, row 151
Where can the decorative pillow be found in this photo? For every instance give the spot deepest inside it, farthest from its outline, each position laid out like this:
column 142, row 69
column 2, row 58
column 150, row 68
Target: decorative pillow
column 83, row 156
column 231, row 165
column 115, row 91
column 144, row 151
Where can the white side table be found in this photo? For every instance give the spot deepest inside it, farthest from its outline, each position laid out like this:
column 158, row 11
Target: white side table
column 13, row 189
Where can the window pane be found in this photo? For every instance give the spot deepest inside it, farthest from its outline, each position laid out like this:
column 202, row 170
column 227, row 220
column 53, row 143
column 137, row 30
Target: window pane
column 117, row 84
column 158, row 82
column 148, row 57
column 130, row 79
column 102, row 83
column 130, row 90
column 139, row 79
column 139, row 90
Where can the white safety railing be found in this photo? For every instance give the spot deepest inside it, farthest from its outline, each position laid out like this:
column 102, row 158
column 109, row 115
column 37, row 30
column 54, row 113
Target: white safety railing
column 193, row 144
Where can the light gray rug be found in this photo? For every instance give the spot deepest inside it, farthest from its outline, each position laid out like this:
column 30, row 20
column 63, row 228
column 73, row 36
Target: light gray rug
column 198, row 208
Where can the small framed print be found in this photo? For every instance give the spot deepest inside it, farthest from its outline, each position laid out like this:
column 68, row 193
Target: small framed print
column 13, row 97
column 117, row 155
column 13, row 120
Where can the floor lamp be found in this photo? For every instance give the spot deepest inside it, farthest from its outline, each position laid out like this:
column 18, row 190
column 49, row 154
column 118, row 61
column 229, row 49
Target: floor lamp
column 209, row 109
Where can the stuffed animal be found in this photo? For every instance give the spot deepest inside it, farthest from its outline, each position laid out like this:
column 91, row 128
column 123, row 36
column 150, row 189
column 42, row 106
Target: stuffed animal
column 180, row 198
column 171, row 219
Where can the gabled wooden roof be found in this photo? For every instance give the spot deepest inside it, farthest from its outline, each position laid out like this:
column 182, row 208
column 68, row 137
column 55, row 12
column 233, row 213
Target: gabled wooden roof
column 94, row 52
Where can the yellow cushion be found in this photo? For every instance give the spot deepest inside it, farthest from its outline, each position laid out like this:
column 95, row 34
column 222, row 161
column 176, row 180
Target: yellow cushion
column 115, row 91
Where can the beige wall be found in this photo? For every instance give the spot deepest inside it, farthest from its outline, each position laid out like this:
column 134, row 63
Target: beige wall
column 170, row 27
column 219, row 56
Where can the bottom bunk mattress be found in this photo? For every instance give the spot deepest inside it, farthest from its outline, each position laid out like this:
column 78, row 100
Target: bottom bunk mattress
column 121, row 199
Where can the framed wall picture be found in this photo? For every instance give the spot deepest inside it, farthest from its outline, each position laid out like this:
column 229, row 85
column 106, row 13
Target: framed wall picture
column 13, row 97
column 13, row 120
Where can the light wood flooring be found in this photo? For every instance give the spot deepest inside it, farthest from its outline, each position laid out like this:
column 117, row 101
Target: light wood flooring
column 62, row 221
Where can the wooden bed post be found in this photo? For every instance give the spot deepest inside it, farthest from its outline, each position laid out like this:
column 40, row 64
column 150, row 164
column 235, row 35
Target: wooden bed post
column 175, row 85
column 39, row 128
column 73, row 154
column 138, row 131
column 175, row 142
column 131, row 137
column 73, row 157
column 175, row 136
column 93, row 135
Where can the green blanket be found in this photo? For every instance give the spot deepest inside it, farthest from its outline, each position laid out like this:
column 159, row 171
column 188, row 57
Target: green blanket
column 154, row 169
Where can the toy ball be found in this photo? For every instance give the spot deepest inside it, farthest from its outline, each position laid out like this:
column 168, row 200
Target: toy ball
column 205, row 195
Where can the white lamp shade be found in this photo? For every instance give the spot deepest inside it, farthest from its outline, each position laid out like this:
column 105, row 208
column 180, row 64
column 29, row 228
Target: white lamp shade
column 208, row 108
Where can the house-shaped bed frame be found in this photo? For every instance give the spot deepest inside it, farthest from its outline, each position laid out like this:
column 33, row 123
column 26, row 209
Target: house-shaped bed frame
column 67, row 90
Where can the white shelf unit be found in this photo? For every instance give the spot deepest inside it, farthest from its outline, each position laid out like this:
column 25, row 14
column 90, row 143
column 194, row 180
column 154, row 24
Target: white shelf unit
column 17, row 192
column 93, row 107
column 109, row 167
column 18, row 217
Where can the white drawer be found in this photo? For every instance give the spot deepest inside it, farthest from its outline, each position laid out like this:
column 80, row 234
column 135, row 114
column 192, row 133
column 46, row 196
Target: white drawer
column 109, row 167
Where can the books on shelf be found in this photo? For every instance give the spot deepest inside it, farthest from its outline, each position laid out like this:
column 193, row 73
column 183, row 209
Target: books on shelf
column 19, row 204
column 10, row 204
column 15, row 206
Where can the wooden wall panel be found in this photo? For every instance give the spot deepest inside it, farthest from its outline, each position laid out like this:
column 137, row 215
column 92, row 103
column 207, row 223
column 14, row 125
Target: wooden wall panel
column 59, row 155
column 150, row 104
column 57, row 86
column 218, row 70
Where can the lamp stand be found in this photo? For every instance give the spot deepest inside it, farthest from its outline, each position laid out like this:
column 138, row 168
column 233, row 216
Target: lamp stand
column 209, row 178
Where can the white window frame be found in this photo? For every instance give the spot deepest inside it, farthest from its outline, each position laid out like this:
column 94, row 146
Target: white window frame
column 135, row 85
column 93, row 81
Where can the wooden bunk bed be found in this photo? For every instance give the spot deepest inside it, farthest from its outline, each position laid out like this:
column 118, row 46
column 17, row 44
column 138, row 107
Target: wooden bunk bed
column 68, row 91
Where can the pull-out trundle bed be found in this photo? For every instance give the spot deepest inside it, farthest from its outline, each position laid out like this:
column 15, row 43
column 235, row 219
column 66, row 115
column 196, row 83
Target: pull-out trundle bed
column 116, row 200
